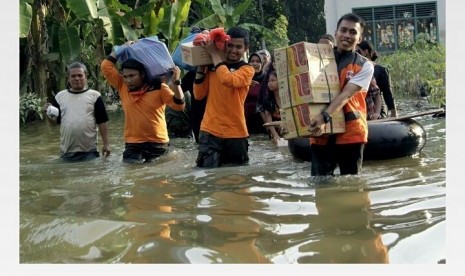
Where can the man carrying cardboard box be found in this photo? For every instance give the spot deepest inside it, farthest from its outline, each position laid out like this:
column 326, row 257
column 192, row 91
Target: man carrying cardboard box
column 355, row 73
column 223, row 137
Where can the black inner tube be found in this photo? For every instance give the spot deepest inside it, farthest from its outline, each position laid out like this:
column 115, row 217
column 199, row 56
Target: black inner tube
column 386, row 140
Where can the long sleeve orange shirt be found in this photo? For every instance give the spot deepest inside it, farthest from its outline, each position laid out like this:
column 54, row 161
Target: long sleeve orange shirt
column 144, row 113
column 226, row 88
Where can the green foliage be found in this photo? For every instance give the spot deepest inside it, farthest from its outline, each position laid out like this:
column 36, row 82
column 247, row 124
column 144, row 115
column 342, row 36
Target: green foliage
column 225, row 15
column 274, row 25
column 25, row 18
column 30, row 107
column 280, row 29
column 306, row 20
column 246, row 14
column 418, row 66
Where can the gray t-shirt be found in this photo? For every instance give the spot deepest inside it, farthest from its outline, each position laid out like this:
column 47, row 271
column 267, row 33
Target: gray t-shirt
column 80, row 112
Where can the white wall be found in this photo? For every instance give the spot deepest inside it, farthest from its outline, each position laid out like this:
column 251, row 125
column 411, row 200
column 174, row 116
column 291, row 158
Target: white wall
column 335, row 9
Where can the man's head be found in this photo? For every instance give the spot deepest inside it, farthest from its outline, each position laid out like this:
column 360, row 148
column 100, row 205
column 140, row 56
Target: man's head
column 239, row 43
column 77, row 76
column 349, row 32
column 133, row 74
column 326, row 39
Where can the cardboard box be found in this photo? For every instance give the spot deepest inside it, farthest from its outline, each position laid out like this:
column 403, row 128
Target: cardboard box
column 307, row 73
column 308, row 57
column 313, row 88
column 280, row 62
column 195, row 55
column 308, row 87
column 284, row 92
column 297, row 120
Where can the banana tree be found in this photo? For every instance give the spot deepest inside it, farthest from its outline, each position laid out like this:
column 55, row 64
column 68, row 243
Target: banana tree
column 163, row 18
column 59, row 32
column 227, row 16
column 34, row 31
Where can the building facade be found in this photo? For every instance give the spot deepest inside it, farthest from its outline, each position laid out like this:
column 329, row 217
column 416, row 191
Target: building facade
column 392, row 23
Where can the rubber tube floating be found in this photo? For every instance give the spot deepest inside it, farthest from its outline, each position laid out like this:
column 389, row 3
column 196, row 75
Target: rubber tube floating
column 386, row 140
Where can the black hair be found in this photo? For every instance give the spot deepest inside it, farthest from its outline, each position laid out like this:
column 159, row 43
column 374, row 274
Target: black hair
column 353, row 18
column 273, row 72
column 131, row 63
column 238, row 32
column 366, row 45
column 328, row 37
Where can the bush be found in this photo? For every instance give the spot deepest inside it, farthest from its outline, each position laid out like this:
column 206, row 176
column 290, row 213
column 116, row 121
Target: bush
column 30, row 107
column 418, row 69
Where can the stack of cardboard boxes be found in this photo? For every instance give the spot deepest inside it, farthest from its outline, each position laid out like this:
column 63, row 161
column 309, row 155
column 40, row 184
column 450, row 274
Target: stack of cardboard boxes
column 308, row 81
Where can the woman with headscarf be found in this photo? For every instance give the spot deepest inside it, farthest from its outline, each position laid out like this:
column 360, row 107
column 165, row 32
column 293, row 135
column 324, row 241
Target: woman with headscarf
column 262, row 99
column 253, row 120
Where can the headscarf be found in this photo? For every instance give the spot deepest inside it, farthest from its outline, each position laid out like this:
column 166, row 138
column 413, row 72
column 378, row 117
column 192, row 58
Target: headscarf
column 258, row 76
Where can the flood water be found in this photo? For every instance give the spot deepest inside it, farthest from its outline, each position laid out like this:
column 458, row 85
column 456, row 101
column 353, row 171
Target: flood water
column 270, row 211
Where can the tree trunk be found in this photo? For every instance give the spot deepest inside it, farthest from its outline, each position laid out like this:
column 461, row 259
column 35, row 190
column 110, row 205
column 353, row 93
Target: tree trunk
column 263, row 23
column 39, row 50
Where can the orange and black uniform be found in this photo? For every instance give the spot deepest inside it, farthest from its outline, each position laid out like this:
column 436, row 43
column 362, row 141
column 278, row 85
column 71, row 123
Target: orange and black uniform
column 145, row 131
column 223, row 131
column 346, row 149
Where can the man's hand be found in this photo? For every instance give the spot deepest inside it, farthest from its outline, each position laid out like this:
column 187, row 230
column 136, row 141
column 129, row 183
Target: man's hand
column 106, row 151
column 176, row 73
column 210, row 47
column 317, row 125
column 46, row 105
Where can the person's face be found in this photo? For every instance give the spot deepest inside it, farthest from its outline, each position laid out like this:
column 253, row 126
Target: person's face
column 255, row 63
column 77, row 79
column 348, row 35
column 272, row 83
column 264, row 58
column 133, row 79
column 235, row 50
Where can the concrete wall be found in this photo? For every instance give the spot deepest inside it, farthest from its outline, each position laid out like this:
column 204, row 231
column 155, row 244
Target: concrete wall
column 334, row 9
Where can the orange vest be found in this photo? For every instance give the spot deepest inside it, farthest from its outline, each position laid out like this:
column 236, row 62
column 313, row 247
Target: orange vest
column 355, row 110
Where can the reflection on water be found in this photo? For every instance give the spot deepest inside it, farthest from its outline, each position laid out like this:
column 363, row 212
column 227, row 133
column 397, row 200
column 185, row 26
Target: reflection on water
column 271, row 211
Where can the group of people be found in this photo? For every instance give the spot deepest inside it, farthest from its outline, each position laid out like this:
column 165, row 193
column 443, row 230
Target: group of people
column 82, row 109
column 222, row 89
column 223, row 132
column 263, row 97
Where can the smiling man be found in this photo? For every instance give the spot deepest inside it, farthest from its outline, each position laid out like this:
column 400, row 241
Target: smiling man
column 355, row 73
column 223, row 137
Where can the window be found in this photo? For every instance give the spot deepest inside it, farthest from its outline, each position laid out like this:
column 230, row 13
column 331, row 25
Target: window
column 391, row 27
column 385, row 35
